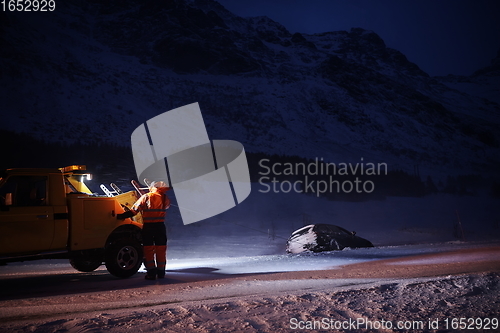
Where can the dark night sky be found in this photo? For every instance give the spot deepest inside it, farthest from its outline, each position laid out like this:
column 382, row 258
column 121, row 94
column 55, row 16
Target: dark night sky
column 441, row 36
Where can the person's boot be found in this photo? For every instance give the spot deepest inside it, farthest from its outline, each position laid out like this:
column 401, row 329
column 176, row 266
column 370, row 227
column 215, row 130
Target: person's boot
column 151, row 274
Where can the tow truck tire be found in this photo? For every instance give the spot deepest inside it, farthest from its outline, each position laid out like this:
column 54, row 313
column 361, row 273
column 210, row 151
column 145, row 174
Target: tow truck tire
column 83, row 265
column 124, row 257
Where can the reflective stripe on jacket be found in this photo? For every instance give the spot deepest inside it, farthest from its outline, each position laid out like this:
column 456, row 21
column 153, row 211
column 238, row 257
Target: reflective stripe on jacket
column 153, row 206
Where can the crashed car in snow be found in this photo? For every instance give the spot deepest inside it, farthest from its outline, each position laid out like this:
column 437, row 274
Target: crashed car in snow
column 323, row 237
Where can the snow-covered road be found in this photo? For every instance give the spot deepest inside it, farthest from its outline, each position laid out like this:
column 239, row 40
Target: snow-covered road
column 41, row 292
column 56, row 277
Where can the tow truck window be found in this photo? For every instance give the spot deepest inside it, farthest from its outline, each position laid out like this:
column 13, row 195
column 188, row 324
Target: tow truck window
column 25, row 190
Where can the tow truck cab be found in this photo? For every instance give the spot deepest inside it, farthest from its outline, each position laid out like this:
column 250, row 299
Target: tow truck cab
column 51, row 213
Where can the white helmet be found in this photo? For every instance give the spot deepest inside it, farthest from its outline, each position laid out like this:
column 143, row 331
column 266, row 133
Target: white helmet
column 158, row 183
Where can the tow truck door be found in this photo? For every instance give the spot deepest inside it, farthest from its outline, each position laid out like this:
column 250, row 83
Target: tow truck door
column 26, row 219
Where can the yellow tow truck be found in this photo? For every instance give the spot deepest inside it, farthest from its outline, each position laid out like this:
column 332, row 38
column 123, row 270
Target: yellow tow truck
column 51, row 213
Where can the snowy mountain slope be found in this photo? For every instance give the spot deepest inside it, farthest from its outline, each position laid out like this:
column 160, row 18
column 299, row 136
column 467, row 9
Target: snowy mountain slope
column 92, row 71
column 484, row 83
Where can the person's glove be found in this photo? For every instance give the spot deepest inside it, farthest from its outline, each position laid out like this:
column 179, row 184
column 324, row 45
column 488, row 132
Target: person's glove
column 125, row 215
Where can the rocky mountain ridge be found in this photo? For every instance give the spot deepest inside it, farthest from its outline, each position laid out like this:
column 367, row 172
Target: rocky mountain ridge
column 93, row 70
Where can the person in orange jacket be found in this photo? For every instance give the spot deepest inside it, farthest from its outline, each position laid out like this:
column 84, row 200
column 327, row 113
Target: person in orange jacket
column 153, row 206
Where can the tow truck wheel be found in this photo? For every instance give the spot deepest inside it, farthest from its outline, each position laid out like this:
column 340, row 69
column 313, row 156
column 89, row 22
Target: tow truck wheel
column 83, row 265
column 124, row 257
